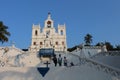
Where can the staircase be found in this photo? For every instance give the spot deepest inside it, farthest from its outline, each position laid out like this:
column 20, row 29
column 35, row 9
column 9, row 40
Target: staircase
column 98, row 65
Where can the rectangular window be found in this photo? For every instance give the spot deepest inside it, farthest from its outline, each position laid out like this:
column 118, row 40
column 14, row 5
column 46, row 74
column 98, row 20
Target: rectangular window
column 56, row 43
column 62, row 43
column 41, row 43
column 34, row 43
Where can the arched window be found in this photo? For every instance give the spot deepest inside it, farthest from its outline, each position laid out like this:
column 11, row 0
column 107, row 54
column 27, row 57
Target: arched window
column 34, row 43
column 56, row 43
column 41, row 43
column 61, row 32
column 49, row 24
column 63, row 43
column 36, row 32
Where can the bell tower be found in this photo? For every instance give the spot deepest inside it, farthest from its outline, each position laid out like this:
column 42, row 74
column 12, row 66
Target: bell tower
column 49, row 22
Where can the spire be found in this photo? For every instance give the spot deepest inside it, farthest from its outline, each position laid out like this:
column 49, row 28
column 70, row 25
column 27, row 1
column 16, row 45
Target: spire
column 49, row 15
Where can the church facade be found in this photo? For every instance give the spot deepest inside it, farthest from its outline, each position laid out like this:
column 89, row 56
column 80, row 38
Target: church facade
column 48, row 36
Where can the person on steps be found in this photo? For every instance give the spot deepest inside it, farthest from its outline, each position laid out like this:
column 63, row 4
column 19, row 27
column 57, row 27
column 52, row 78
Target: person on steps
column 65, row 61
column 55, row 60
column 60, row 60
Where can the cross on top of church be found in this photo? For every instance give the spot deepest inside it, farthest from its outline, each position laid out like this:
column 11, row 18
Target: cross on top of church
column 48, row 13
column 49, row 16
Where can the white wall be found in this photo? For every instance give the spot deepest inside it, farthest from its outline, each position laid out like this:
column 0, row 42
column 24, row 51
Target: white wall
column 88, row 51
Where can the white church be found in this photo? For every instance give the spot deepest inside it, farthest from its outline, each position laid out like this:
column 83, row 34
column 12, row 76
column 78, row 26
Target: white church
column 43, row 37
column 49, row 36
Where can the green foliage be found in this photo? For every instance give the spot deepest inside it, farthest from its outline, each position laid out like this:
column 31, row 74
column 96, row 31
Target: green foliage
column 4, row 34
column 88, row 39
column 100, row 44
column 117, row 47
column 109, row 46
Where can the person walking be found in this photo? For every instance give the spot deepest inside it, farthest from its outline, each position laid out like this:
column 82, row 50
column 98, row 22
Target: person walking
column 65, row 61
column 55, row 60
column 60, row 60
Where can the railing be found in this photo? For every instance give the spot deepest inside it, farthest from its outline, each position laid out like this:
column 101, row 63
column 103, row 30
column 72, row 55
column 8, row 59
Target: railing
column 113, row 53
column 4, row 60
column 2, row 63
column 99, row 54
column 100, row 66
column 109, row 53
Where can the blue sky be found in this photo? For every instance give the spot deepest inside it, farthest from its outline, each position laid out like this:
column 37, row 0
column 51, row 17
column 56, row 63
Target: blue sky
column 100, row 18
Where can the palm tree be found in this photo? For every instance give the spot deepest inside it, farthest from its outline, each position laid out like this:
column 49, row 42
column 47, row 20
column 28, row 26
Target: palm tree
column 4, row 34
column 88, row 39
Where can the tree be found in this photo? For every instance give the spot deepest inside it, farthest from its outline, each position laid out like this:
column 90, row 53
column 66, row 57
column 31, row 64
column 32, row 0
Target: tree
column 109, row 46
column 4, row 34
column 100, row 44
column 88, row 39
column 117, row 47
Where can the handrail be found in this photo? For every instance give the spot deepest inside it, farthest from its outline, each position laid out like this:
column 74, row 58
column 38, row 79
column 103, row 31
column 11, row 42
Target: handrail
column 109, row 69
column 111, row 53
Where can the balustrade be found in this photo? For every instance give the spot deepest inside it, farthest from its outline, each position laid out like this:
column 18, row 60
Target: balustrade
column 99, row 66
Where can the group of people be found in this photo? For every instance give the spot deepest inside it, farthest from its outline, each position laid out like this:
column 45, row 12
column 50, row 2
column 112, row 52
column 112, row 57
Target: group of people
column 59, row 60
